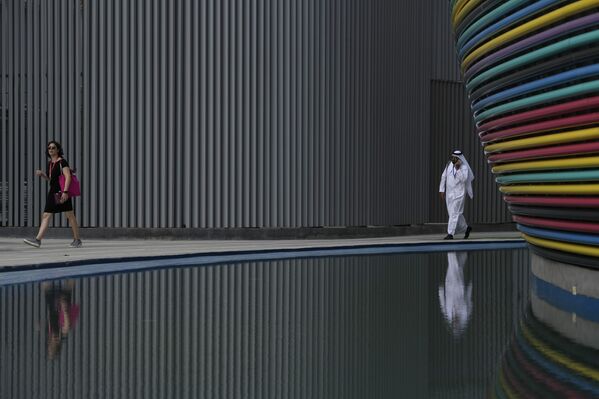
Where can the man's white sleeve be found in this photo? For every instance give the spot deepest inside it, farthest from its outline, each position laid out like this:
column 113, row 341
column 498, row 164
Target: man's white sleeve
column 462, row 175
column 443, row 179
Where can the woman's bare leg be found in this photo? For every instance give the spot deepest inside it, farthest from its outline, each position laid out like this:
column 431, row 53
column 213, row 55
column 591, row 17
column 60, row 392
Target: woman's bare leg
column 73, row 222
column 44, row 225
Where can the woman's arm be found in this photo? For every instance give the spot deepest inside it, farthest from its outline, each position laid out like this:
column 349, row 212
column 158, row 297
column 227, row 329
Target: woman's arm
column 66, row 171
column 67, row 183
column 41, row 174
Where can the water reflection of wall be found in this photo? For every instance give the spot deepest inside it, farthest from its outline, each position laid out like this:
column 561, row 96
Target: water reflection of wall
column 500, row 283
column 318, row 328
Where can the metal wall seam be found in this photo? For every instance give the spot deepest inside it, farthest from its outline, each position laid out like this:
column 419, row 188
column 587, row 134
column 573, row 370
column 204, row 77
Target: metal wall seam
column 117, row 105
column 3, row 108
column 153, row 152
column 27, row 134
column 11, row 183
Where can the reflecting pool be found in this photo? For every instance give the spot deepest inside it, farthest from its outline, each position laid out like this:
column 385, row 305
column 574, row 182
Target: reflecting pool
column 385, row 326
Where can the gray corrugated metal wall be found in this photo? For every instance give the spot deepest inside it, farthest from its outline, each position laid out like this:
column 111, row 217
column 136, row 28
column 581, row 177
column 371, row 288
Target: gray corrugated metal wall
column 260, row 113
column 349, row 327
column 444, row 63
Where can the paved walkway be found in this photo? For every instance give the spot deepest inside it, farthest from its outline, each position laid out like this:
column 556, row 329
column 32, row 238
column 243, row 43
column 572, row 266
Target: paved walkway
column 13, row 252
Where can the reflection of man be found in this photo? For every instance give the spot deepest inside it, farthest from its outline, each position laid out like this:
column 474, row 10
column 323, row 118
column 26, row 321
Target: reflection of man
column 455, row 298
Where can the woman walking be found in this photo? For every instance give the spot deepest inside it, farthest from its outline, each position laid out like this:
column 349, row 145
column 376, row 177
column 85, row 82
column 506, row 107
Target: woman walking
column 58, row 200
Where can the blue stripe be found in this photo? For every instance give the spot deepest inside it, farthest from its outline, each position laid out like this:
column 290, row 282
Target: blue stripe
column 562, row 373
column 18, row 275
column 579, row 73
column 468, row 33
column 577, row 238
column 531, row 9
column 584, row 306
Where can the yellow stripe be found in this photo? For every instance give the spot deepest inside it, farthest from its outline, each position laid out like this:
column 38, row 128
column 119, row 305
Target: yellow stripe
column 544, row 20
column 558, row 358
column 457, row 7
column 565, row 163
column 562, row 246
column 548, row 139
column 574, row 189
column 459, row 17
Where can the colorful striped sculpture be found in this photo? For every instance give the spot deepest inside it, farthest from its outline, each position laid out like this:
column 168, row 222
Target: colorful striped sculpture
column 531, row 69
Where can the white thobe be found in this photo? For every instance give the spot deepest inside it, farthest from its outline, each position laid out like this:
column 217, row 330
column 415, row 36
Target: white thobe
column 453, row 184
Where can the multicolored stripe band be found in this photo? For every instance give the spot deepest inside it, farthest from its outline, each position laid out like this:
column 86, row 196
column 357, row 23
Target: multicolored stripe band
column 531, row 69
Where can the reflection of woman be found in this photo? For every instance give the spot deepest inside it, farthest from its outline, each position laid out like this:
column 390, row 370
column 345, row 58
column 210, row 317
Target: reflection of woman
column 455, row 298
column 61, row 314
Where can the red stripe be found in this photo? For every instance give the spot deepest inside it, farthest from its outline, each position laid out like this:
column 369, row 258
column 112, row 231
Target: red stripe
column 540, row 376
column 512, row 380
column 558, row 224
column 583, row 202
column 577, row 120
column 572, row 149
column 572, row 106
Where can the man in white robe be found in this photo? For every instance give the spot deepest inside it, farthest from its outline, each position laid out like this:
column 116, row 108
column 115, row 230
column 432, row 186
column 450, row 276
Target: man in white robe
column 456, row 182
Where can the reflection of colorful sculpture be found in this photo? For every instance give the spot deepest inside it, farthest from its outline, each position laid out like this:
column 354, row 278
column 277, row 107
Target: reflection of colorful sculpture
column 555, row 352
column 532, row 74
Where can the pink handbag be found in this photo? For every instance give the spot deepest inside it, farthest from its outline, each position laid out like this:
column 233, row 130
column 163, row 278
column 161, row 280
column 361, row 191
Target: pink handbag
column 74, row 190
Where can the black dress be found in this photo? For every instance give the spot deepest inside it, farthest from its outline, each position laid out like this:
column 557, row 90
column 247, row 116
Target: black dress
column 52, row 202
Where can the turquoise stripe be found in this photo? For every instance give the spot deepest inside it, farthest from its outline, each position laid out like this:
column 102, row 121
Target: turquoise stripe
column 566, row 44
column 550, row 177
column 537, row 85
column 487, row 19
column 508, row 21
column 582, row 88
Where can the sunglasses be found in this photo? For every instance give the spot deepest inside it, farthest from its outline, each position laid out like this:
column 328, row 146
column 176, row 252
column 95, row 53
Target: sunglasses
column 52, row 147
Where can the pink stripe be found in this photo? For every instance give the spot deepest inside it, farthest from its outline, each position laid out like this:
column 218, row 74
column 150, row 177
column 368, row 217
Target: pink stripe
column 583, row 202
column 577, row 120
column 572, row 106
column 558, row 224
column 572, row 149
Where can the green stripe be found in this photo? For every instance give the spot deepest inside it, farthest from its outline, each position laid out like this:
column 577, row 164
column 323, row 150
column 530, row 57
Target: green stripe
column 566, row 44
column 585, row 175
column 582, row 88
column 487, row 19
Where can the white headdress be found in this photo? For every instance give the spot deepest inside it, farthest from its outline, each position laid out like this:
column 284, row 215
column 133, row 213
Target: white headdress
column 458, row 154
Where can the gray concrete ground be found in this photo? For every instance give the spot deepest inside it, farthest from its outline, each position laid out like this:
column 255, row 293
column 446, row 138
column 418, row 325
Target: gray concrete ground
column 13, row 252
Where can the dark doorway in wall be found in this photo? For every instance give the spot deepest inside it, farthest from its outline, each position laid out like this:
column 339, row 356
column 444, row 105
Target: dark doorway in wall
column 452, row 127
